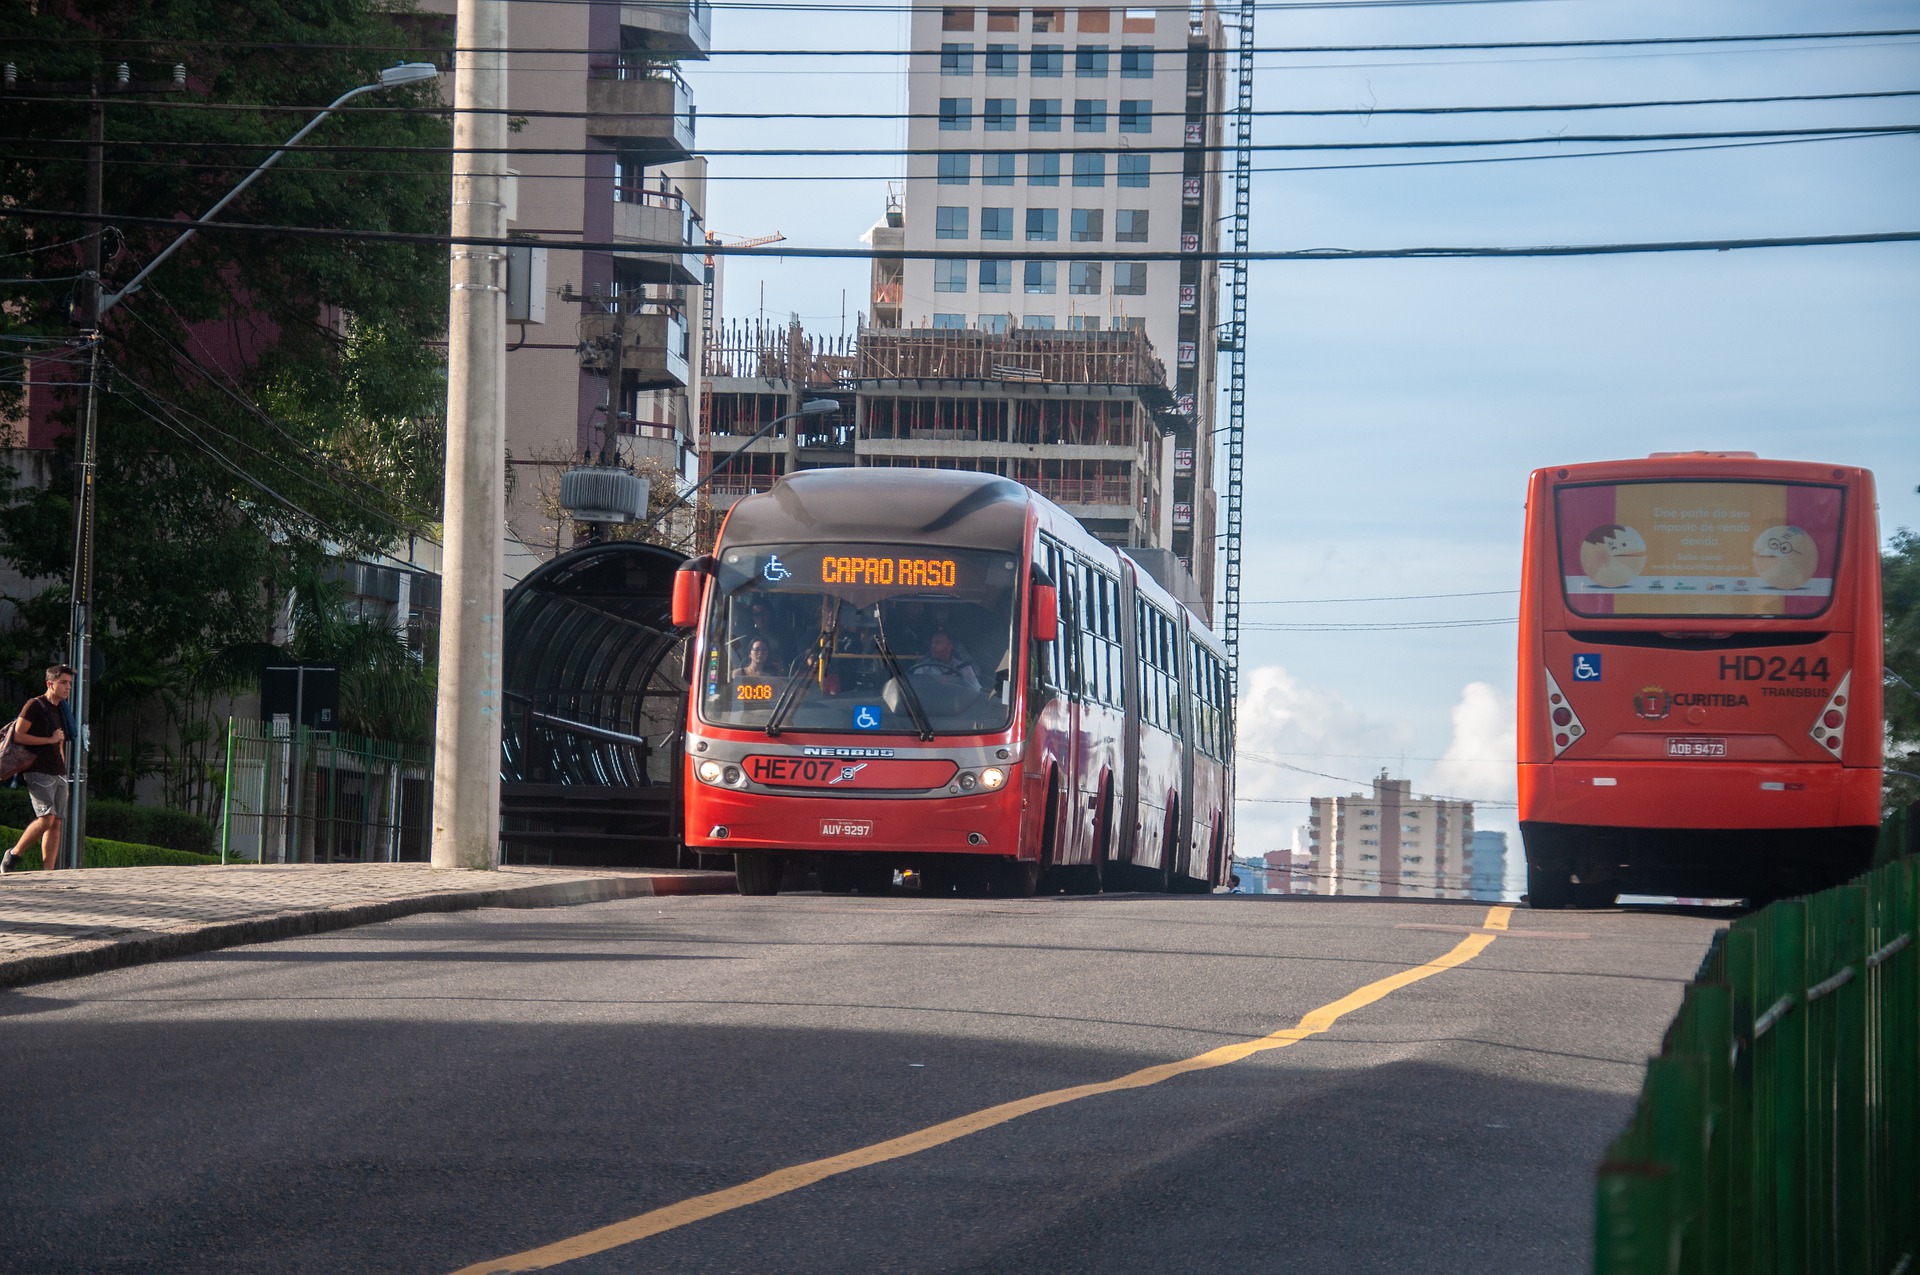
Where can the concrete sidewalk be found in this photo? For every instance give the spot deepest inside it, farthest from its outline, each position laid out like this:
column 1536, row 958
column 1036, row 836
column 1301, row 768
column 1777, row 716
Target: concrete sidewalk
column 61, row 924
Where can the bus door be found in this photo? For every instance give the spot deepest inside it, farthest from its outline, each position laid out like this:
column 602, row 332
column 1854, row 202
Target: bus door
column 1053, row 725
column 1125, row 810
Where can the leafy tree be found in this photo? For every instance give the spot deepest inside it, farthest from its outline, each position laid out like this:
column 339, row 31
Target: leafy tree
column 1900, row 590
column 268, row 400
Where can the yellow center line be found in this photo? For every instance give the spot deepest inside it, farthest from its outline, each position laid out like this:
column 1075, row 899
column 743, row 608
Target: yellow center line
column 794, row 1177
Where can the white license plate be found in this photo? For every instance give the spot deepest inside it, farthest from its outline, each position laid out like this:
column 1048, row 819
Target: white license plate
column 846, row 827
column 1691, row 746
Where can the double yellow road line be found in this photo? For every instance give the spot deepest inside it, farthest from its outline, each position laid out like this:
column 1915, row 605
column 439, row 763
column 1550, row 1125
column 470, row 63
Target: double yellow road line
column 793, row 1178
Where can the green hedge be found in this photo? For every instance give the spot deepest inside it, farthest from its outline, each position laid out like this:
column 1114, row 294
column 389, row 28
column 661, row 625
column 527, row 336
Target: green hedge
column 102, row 853
column 125, row 821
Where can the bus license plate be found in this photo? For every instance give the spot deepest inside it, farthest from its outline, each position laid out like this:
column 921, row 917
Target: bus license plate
column 1691, row 746
column 846, row 827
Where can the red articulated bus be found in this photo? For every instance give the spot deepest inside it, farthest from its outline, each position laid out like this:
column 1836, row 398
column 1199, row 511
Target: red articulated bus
column 940, row 670
column 1700, row 678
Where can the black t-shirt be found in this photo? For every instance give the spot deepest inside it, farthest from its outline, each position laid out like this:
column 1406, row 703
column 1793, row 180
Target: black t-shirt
column 42, row 719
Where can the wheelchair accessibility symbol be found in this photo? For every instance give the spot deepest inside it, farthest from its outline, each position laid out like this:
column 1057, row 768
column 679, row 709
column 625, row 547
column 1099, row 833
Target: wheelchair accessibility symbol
column 1586, row 666
column 866, row 717
column 775, row 571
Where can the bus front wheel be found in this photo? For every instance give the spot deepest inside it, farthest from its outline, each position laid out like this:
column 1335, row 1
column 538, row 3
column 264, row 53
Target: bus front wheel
column 757, row 871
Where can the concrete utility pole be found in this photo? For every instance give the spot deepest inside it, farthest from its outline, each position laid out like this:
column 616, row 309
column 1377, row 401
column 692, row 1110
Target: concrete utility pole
column 466, row 767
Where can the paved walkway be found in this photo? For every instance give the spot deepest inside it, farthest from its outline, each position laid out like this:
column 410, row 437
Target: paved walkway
column 60, row 924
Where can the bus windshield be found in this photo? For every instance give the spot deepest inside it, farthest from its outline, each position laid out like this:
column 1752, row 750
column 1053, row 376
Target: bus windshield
column 861, row 638
column 1687, row 549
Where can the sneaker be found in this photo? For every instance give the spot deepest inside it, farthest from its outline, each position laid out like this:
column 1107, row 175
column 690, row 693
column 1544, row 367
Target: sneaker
column 9, row 862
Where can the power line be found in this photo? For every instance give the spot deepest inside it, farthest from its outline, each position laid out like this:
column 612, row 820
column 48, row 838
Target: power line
column 1399, row 597
column 865, row 152
column 938, row 254
column 237, row 166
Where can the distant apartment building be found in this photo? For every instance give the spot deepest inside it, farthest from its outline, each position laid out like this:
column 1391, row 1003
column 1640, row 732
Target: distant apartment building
column 1076, row 130
column 1487, row 865
column 1389, row 842
column 617, row 130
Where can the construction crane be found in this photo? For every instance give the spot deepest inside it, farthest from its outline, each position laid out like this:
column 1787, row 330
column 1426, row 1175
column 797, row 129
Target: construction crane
column 707, row 291
column 1235, row 338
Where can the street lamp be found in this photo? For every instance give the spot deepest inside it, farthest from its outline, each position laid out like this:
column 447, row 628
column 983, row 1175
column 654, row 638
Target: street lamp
column 812, row 407
column 80, row 613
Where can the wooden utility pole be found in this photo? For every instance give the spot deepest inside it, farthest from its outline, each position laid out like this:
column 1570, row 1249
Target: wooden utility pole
column 466, row 778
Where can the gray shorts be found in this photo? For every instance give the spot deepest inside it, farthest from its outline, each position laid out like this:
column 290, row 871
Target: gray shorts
column 49, row 793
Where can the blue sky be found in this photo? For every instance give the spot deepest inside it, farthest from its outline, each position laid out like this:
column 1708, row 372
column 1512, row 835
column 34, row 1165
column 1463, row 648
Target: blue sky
column 1395, row 407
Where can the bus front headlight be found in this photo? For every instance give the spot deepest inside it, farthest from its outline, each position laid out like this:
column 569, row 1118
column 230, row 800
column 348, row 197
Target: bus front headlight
column 992, row 777
column 709, row 772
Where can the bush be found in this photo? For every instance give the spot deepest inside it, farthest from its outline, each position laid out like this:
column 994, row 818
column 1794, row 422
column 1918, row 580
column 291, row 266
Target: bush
column 125, row 821
column 102, row 853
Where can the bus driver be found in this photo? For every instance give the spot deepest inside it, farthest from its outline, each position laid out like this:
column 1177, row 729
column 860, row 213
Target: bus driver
column 941, row 662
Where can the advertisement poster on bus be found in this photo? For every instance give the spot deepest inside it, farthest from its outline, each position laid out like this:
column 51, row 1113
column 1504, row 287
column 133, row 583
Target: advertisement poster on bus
column 1698, row 549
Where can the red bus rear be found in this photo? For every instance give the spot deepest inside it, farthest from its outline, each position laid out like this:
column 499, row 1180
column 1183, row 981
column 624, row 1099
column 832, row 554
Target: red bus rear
column 1700, row 678
column 940, row 670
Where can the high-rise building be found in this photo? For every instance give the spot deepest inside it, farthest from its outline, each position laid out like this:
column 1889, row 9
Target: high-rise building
column 1075, row 131
column 1487, row 865
column 604, row 153
column 1389, row 842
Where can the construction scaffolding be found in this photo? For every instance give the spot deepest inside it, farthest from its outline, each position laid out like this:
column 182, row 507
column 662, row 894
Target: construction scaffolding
column 1045, row 356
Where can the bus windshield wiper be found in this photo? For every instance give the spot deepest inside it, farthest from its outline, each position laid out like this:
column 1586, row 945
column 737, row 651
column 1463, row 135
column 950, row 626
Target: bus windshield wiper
column 817, row 659
column 914, row 709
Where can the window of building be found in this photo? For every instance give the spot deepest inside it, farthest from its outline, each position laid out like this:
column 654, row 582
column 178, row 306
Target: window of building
column 1003, row 19
column 1094, row 20
column 1038, row 323
column 1130, row 324
column 996, row 168
column 949, row 276
column 1001, row 114
column 1369, row 858
column 1090, row 115
column 956, row 113
column 1043, row 170
column 1138, row 21
column 1136, row 61
column 1090, row 61
column 1136, row 115
column 1083, row 278
column 949, row 320
column 1040, row 276
column 1369, row 827
column 1043, row 114
column 1003, row 59
column 949, row 223
column 1049, row 61
column 1090, row 168
column 1045, row 20
column 956, row 170
column 993, row 323
column 1413, row 858
column 1084, row 322
column 1132, row 170
column 956, row 18
column 1088, row 225
column 1130, row 225
column 956, row 59
column 996, row 276
column 996, row 223
column 1043, row 224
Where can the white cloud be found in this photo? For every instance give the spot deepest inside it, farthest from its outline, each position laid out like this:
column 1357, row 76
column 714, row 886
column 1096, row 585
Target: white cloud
column 1479, row 760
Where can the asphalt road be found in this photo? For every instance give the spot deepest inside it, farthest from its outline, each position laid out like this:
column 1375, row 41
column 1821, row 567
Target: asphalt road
column 449, row 1090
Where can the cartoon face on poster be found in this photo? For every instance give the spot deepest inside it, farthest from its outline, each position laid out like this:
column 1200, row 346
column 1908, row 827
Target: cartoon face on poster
column 1700, row 548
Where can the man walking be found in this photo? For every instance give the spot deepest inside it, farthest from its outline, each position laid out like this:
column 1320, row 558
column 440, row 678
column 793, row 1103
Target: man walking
column 42, row 726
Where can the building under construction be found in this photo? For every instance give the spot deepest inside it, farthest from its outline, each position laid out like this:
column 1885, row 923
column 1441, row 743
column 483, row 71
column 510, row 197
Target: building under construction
column 1083, row 417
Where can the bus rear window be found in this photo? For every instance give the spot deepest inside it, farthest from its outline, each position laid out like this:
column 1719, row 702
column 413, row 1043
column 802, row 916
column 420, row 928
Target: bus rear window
column 1681, row 549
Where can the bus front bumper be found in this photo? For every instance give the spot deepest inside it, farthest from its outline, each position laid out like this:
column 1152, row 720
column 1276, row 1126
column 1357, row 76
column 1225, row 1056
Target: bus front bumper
column 721, row 820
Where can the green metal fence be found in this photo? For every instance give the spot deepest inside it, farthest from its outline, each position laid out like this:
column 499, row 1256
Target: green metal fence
column 1778, row 1131
column 306, row 796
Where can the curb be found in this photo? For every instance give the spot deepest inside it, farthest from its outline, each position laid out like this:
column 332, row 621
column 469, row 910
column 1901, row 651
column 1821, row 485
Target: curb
column 107, row 954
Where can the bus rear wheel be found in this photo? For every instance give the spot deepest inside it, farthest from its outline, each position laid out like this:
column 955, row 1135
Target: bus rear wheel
column 758, row 871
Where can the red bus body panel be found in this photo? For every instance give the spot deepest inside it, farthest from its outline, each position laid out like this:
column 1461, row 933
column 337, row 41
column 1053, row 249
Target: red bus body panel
column 1707, row 723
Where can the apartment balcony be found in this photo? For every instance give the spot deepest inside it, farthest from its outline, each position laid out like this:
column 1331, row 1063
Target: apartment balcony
column 653, row 351
column 665, row 225
column 645, row 112
column 682, row 30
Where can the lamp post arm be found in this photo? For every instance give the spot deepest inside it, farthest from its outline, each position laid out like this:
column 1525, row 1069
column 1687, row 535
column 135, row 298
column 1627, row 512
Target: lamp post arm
column 133, row 285
column 713, row 473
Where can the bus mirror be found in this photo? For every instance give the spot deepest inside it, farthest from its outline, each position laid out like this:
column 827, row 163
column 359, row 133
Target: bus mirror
column 1046, row 612
column 689, row 583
